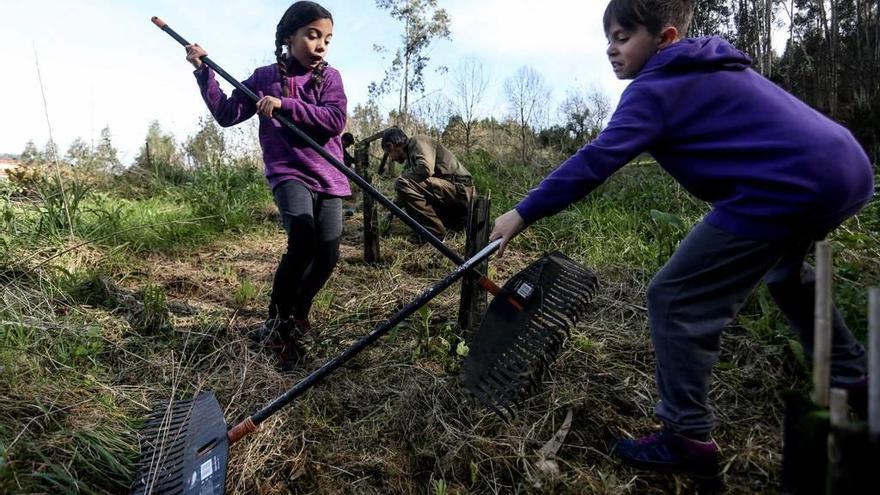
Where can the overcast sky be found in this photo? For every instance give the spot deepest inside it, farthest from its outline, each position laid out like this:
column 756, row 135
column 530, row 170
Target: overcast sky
column 103, row 63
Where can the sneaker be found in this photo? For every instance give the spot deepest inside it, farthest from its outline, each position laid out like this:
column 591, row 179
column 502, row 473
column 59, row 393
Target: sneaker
column 670, row 452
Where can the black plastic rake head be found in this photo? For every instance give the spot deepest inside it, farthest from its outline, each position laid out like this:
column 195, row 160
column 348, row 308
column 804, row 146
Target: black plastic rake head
column 184, row 449
column 514, row 347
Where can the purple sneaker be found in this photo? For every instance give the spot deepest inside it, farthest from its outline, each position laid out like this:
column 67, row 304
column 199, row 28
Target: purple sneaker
column 670, row 452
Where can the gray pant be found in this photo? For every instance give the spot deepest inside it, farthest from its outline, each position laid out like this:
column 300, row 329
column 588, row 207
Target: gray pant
column 697, row 294
column 313, row 223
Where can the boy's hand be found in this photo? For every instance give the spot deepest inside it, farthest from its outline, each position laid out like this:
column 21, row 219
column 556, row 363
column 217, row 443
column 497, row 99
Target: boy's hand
column 267, row 104
column 507, row 226
column 194, row 54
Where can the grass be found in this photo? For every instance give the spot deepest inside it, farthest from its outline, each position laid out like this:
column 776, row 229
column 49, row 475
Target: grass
column 154, row 294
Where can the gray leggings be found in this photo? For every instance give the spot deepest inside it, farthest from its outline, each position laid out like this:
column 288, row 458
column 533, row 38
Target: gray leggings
column 313, row 223
column 698, row 293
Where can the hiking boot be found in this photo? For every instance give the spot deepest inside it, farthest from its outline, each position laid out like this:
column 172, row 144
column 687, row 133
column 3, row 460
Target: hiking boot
column 289, row 353
column 670, row 452
column 269, row 330
column 301, row 325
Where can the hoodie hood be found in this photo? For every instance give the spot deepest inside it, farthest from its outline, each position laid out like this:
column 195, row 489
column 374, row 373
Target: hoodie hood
column 706, row 53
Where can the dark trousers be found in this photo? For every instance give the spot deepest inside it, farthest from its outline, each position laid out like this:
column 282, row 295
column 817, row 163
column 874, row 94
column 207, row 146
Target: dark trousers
column 438, row 204
column 313, row 223
column 698, row 293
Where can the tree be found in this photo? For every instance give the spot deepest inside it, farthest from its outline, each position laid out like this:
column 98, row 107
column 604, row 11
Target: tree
column 423, row 23
column 431, row 114
column 106, row 157
column 79, row 154
column 159, row 155
column 50, row 152
column 365, row 120
column 470, row 82
column 207, row 147
column 526, row 90
column 31, row 156
column 585, row 114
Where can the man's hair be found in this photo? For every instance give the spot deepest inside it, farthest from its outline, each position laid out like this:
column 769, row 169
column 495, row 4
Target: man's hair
column 653, row 14
column 347, row 139
column 393, row 135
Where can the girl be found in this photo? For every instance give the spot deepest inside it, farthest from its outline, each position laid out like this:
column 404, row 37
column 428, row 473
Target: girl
column 307, row 189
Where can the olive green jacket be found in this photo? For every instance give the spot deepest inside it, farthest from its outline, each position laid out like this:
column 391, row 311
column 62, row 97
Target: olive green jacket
column 428, row 158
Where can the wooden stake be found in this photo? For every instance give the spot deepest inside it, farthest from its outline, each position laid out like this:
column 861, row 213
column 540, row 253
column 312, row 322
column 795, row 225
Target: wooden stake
column 371, row 214
column 822, row 326
column 874, row 363
column 473, row 299
column 839, row 407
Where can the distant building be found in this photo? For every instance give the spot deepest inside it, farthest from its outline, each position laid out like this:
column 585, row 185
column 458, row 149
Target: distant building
column 7, row 164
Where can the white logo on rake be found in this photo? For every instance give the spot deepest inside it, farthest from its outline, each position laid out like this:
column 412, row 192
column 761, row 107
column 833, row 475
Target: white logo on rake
column 524, row 290
column 207, row 469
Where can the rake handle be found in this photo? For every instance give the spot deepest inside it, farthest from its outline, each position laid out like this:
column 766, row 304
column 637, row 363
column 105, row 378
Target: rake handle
column 485, row 283
column 250, row 424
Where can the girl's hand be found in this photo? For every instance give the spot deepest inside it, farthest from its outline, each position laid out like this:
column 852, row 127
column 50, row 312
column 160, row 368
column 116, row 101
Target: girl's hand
column 507, row 226
column 194, row 54
column 267, row 104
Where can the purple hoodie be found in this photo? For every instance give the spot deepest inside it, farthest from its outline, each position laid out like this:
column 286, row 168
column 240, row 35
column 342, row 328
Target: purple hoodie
column 769, row 164
column 320, row 111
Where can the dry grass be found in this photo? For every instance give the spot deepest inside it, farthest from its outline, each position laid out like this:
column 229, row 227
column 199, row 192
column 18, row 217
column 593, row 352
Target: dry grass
column 394, row 420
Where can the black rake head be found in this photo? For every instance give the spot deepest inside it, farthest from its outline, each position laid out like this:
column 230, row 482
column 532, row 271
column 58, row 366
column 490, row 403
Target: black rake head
column 514, row 347
column 184, row 449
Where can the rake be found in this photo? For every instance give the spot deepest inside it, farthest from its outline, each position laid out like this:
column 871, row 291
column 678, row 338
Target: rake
column 516, row 343
column 185, row 444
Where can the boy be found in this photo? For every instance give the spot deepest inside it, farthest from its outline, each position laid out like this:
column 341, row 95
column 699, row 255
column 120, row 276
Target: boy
column 778, row 174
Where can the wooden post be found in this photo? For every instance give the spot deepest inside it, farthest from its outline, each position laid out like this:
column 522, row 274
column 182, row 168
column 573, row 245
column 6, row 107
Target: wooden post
column 473, row 298
column 371, row 214
column 874, row 363
column 822, row 326
column 839, row 408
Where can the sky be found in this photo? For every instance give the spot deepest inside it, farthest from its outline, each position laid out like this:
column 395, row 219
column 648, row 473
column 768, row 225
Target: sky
column 104, row 64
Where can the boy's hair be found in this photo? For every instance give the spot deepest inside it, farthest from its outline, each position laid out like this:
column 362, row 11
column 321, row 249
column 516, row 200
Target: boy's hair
column 296, row 16
column 393, row 135
column 653, row 14
column 347, row 140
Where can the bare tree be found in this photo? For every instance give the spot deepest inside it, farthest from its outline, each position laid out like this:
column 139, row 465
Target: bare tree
column 526, row 90
column 431, row 114
column 471, row 81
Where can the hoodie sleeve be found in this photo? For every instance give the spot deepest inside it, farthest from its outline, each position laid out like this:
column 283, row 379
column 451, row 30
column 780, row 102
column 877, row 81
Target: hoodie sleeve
column 326, row 117
column 228, row 111
column 634, row 128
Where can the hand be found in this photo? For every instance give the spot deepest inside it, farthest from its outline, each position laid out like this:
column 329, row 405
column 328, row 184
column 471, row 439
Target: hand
column 194, row 54
column 267, row 104
column 507, row 226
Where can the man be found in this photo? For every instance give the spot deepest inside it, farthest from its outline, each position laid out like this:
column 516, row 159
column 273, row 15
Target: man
column 434, row 188
column 347, row 141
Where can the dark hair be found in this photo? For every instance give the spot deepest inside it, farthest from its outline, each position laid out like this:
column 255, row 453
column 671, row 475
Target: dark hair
column 393, row 135
column 347, row 139
column 297, row 15
column 653, row 14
